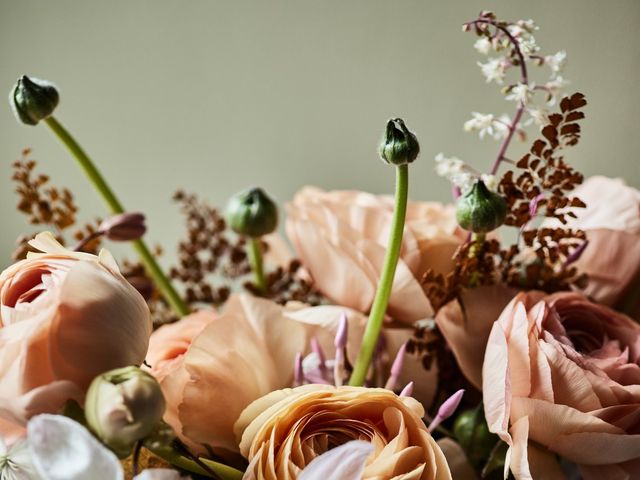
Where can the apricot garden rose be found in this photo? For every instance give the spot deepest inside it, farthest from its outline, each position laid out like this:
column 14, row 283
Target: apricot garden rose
column 284, row 431
column 340, row 237
column 65, row 317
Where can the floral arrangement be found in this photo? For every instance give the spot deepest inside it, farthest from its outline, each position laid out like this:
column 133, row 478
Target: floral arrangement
column 395, row 340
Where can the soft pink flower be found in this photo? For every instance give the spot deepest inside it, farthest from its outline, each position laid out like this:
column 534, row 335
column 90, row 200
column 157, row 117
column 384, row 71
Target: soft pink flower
column 612, row 223
column 466, row 323
column 228, row 360
column 341, row 236
column 565, row 373
column 65, row 317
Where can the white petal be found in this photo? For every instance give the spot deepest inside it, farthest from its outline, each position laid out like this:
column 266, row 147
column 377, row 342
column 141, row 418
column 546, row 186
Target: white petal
column 345, row 462
column 159, row 474
column 62, row 449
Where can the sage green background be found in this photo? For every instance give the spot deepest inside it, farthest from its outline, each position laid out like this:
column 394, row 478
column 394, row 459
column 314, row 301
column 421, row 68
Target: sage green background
column 214, row 96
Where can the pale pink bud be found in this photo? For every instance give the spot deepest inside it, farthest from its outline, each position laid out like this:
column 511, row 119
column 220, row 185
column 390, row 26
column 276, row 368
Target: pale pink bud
column 396, row 368
column 447, row 409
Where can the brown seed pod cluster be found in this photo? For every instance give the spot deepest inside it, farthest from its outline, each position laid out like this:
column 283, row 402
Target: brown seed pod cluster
column 47, row 206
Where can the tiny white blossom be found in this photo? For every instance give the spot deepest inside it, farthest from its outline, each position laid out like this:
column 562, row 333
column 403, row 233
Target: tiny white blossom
column 494, row 69
column 491, row 181
column 15, row 462
column 483, row 45
column 553, row 88
column 445, row 167
column 520, row 93
column 481, row 122
column 556, row 62
column 539, row 116
column 528, row 45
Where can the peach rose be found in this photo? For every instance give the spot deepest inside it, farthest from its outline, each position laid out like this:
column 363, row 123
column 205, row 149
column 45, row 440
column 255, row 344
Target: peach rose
column 229, row 360
column 340, row 237
column 284, row 431
column 65, row 317
column 466, row 323
column 565, row 373
column 612, row 223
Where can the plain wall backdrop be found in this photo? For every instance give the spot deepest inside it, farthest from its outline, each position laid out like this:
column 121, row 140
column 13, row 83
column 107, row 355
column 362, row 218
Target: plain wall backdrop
column 213, row 96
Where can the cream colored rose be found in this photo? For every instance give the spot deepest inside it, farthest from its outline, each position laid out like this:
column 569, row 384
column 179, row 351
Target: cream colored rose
column 282, row 432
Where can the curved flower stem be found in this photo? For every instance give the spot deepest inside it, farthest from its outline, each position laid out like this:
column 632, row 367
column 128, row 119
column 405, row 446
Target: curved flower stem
column 95, row 177
column 524, row 78
column 255, row 260
column 376, row 317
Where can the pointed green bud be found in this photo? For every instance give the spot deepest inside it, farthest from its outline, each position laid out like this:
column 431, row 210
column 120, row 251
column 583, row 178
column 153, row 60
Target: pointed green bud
column 480, row 210
column 123, row 406
column 33, row 99
column 399, row 146
column 252, row 213
column 473, row 435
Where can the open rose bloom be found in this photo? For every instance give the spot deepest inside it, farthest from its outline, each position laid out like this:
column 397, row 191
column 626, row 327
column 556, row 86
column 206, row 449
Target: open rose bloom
column 341, row 238
column 65, row 317
column 562, row 375
column 282, row 433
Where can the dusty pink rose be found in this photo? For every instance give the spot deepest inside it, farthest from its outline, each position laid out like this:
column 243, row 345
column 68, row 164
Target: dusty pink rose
column 340, row 237
column 228, row 360
column 612, row 223
column 65, row 317
column 565, row 373
column 466, row 323
column 283, row 432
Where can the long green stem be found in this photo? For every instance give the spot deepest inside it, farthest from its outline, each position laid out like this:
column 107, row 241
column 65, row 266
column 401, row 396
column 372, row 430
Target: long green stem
column 153, row 269
column 255, row 259
column 381, row 300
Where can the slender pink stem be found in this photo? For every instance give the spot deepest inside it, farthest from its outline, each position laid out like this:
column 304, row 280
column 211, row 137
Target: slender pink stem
column 524, row 79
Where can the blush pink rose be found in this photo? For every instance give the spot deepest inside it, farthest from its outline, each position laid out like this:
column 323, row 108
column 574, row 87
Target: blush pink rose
column 232, row 358
column 612, row 224
column 564, row 373
column 65, row 317
column 341, row 237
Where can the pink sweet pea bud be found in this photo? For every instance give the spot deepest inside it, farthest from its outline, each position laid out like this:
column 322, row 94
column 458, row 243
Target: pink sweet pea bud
column 447, row 409
column 340, row 343
column 396, row 368
column 407, row 391
column 298, row 373
column 123, row 227
column 317, row 349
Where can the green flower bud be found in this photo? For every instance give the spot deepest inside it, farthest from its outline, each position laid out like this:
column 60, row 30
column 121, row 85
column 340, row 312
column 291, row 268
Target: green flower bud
column 123, row 406
column 399, row 146
column 473, row 435
column 480, row 210
column 252, row 213
column 33, row 100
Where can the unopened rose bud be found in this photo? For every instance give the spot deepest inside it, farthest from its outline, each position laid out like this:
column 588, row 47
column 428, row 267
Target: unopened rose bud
column 473, row 435
column 399, row 146
column 33, row 99
column 123, row 406
column 480, row 210
column 252, row 213
column 123, row 227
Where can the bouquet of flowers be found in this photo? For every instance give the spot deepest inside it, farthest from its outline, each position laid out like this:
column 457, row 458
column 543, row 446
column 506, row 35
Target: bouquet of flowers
column 387, row 339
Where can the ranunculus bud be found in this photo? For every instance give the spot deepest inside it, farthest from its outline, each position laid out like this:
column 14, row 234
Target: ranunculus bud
column 473, row 435
column 124, row 406
column 399, row 146
column 252, row 213
column 480, row 210
column 123, row 227
column 33, row 99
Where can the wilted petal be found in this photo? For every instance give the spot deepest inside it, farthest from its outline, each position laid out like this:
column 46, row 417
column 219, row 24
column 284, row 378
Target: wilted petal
column 62, row 449
column 345, row 462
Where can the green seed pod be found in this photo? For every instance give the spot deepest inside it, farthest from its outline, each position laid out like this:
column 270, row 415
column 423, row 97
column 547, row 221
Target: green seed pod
column 33, row 100
column 124, row 406
column 473, row 435
column 480, row 210
column 252, row 213
column 399, row 146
